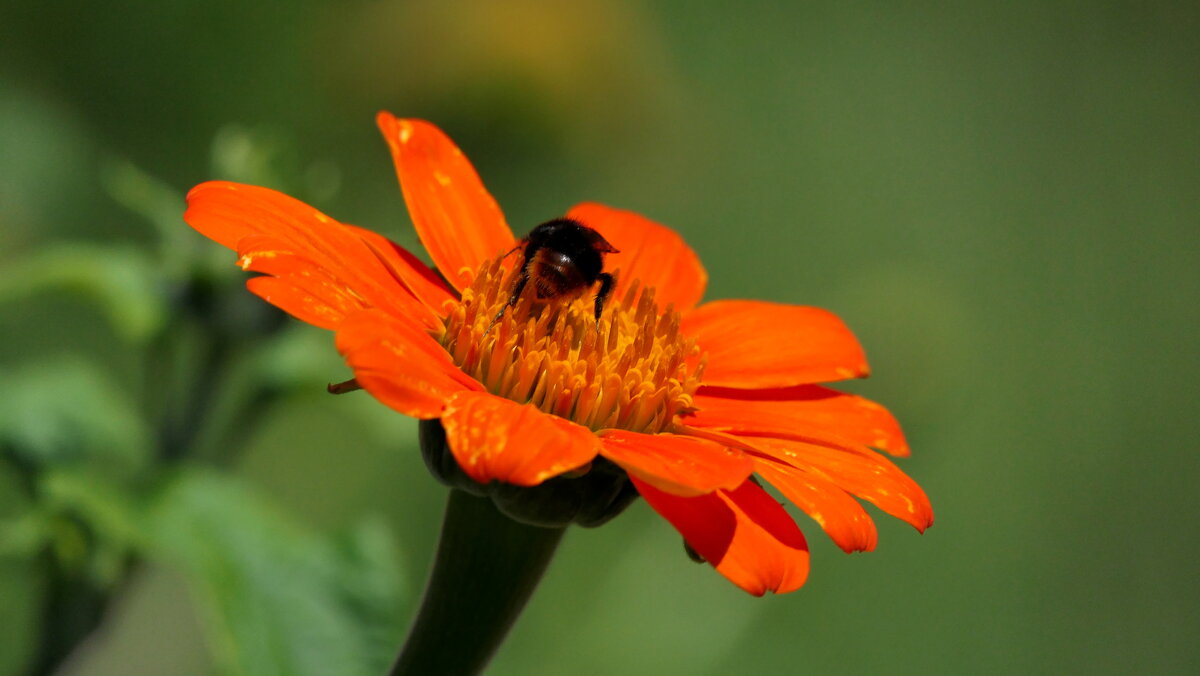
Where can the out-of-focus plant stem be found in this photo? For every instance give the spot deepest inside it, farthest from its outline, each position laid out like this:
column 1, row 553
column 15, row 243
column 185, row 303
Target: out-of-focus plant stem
column 73, row 608
column 181, row 400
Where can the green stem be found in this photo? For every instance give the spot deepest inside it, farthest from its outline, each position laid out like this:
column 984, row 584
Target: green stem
column 73, row 609
column 487, row 567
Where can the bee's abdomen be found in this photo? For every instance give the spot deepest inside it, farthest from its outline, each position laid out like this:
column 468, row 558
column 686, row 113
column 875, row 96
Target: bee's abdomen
column 555, row 274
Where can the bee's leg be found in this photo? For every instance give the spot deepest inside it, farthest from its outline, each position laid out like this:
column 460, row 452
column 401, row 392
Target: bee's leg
column 518, row 247
column 522, row 280
column 606, row 284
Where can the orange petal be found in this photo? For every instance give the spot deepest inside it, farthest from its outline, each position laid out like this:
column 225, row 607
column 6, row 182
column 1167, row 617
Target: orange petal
column 399, row 364
column 804, row 410
column 498, row 439
column 743, row 533
column 856, row 470
column 838, row 514
column 326, row 264
column 752, row 344
column 423, row 282
column 456, row 218
column 676, row 464
column 649, row 252
column 304, row 303
column 312, row 292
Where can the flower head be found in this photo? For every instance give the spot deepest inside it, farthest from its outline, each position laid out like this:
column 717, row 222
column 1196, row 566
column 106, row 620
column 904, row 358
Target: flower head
column 690, row 401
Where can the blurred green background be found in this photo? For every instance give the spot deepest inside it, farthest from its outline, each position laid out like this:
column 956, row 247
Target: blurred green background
column 1002, row 200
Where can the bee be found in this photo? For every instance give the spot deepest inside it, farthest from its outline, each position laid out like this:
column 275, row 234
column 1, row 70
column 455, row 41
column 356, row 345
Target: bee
column 562, row 258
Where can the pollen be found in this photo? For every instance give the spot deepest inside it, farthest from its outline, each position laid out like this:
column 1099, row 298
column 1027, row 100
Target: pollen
column 631, row 369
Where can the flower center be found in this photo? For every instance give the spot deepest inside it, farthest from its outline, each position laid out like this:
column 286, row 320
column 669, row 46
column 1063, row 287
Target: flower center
column 629, row 370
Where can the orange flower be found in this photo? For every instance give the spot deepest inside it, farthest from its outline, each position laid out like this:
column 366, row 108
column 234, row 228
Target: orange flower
column 690, row 400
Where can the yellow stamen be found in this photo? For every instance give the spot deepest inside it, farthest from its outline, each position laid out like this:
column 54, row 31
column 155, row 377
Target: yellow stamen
column 629, row 370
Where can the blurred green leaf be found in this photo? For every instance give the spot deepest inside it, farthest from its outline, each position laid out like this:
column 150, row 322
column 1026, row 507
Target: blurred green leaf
column 94, row 523
column 108, row 508
column 268, row 156
column 250, row 155
column 372, row 585
column 298, row 357
column 160, row 204
column 69, row 412
column 278, row 600
column 22, row 536
column 124, row 280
